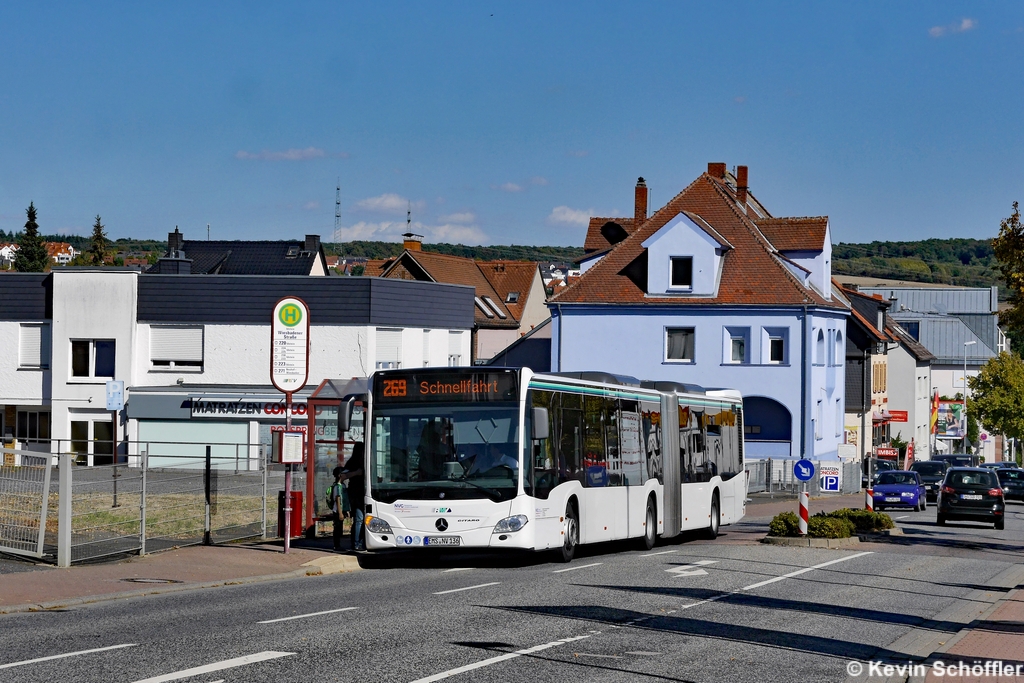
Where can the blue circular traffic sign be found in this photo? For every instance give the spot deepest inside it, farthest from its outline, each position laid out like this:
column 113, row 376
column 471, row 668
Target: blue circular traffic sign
column 803, row 469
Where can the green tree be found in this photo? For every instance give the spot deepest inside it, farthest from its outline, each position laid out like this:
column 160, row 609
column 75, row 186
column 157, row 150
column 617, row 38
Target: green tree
column 997, row 394
column 97, row 243
column 1009, row 250
column 32, row 256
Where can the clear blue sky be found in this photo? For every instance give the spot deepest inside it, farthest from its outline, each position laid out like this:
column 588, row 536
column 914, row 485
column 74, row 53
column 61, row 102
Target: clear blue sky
column 505, row 122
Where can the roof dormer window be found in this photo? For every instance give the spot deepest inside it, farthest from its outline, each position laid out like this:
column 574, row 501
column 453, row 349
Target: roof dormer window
column 682, row 272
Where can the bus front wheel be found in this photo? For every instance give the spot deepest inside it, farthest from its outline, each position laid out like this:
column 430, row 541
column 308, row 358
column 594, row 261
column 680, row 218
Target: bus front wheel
column 715, row 519
column 570, row 533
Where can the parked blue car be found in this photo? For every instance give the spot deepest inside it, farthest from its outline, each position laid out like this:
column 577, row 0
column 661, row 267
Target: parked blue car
column 900, row 489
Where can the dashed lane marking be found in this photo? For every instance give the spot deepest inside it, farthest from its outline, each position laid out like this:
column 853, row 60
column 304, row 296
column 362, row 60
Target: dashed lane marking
column 468, row 588
column 663, row 552
column 500, row 658
column 218, row 666
column 582, row 566
column 304, row 616
column 804, row 570
column 459, row 569
column 66, row 654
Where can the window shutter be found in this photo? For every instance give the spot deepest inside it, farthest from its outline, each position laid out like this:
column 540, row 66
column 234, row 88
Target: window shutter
column 389, row 345
column 176, row 344
column 454, row 343
column 34, row 346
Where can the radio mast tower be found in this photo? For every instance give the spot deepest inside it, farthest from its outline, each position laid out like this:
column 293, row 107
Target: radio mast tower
column 408, row 217
column 337, row 210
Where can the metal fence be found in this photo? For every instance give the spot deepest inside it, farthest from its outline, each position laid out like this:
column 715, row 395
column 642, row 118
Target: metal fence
column 162, row 496
column 24, row 502
column 775, row 475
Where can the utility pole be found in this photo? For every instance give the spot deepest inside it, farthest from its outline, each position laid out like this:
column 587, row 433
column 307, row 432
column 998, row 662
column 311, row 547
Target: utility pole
column 337, row 210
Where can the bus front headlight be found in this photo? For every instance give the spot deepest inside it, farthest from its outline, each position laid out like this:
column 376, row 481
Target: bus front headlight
column 510, row 524
column 378, row 525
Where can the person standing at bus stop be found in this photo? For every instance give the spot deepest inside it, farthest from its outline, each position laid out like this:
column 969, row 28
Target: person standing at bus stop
column 354, row 475
column 337, row 498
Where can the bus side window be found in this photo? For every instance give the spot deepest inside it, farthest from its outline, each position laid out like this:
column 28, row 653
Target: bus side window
column 570, row 443
column 540, row 474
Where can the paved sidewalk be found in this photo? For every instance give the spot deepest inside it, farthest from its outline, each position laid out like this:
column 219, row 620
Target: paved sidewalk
column 47, row 587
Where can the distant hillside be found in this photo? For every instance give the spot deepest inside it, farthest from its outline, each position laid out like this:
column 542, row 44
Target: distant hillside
column 514, row 252
column 964, row 262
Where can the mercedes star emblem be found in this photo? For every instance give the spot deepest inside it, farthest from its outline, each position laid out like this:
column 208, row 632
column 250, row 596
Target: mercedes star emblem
column 441, row 524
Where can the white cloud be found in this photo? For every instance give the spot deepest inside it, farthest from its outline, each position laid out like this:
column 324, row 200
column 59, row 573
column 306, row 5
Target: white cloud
column 287, row 155
column 538, row 180
column 508, row 187
column 391, row 231
column 563, row 215
column 461, row 217
column 961, row 26
column 389, row 202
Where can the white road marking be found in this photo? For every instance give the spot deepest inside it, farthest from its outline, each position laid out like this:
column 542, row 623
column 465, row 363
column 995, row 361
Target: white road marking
column 460, row 569
column 663, row 552
column 704, row 602
column 495, row 660
column 303, row 616
column 218, row 666
column 902, row 517
column 691, row 569
column 468, row 588
column 804, row 571
column 572, row 569
column 66, row 654
column 591, row 654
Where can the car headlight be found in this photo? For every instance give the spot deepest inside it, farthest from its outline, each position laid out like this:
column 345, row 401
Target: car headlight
column 907, row 494
column 378, row 525
column 510, row 524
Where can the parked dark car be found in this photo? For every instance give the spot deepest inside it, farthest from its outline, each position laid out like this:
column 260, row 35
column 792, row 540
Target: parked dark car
column 878, row 466
column 1012, row 481
column 1002, row 464
column 973, row 494
column 932, row 473
column 958, row 459
column 899, row 489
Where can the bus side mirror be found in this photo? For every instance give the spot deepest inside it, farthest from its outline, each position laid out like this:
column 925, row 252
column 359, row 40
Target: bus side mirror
column 345, row 415
column 539, row 424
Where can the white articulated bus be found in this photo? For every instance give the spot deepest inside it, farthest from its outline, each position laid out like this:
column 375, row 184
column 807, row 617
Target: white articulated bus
column 506, row 458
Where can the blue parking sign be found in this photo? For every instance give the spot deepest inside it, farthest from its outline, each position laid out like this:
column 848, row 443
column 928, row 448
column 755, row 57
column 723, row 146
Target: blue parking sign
column 830, row 478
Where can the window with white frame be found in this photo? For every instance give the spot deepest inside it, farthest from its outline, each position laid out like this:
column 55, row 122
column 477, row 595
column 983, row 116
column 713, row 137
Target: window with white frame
column 389, row 348
column 455, row 349
column 819, row 348
column 775, row 345
column 34, row 345
column 681, row 273
column 840, row 350
column 176, row 347
column 737, row 345
column 679, row 343
column 92, row 358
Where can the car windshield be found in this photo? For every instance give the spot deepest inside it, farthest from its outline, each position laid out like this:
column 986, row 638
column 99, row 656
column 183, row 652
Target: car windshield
column 928, row 468
column 977, row 479
column 897, row 478
column 445, row 451
column 1011, row 475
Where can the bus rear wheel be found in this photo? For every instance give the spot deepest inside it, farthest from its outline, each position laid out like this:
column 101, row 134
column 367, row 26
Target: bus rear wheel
column 650, row 526
column 570, row 533
column 715, row 519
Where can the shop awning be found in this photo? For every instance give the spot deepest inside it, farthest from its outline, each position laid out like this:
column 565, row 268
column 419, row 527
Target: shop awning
column 881, row 416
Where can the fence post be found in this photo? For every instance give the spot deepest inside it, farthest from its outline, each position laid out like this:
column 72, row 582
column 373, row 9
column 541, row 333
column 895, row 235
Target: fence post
column 263, row 466
column 206, row 486
column 64, row 511
column 142, row 503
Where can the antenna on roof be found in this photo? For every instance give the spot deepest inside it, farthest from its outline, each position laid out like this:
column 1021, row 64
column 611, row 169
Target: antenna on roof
column 337, row 210
column 207, row 232
column 408, row 217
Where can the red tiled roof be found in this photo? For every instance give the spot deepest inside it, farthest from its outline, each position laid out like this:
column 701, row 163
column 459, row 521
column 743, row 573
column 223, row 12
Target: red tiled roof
column 805, row 233
column 374, row 267
column 55, row 248
column 511, row 276
column 752, row 273
column 595, row 240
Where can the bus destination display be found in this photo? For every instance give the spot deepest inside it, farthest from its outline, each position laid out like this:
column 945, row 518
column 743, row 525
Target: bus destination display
column 445, row 387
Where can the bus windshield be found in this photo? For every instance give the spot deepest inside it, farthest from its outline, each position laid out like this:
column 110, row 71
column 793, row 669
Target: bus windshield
column 430, row 452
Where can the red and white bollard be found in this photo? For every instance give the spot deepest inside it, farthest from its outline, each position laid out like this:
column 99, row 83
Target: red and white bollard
column 869, row 499
column 804, row 502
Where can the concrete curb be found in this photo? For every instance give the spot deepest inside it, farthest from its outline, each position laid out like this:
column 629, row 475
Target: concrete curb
column 804, row 542
column 319, row 567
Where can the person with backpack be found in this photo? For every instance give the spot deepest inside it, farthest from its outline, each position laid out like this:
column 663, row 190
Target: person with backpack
column 338, row 503
column 353, row 474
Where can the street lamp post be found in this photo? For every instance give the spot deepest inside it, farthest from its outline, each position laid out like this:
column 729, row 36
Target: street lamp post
column 966, row 344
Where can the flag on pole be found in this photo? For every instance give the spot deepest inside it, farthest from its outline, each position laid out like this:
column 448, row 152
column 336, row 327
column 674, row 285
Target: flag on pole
column 934, row 419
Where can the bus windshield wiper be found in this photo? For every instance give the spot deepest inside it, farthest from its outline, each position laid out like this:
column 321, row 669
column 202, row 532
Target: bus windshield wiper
column 491, row 493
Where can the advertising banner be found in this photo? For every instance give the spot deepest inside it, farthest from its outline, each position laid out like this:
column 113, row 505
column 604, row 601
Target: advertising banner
column 950, row 422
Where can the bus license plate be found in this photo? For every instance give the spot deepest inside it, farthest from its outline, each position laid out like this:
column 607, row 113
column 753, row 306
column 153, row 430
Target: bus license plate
column 971, row 496
column 442, row 540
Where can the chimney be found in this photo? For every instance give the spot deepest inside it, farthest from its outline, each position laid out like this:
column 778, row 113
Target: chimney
column 640, row 203
column 175, row 240
column 312, row 243
column 741, row 186
column 716, row 169
column 412, row 242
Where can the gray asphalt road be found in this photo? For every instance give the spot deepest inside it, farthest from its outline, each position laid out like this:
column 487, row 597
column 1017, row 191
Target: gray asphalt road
column 687, row 611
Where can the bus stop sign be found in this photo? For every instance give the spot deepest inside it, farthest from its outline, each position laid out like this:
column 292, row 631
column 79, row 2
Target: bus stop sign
column 803, row 469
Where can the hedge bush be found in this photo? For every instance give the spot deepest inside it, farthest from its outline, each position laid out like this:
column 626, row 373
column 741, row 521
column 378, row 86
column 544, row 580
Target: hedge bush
column 837, row 524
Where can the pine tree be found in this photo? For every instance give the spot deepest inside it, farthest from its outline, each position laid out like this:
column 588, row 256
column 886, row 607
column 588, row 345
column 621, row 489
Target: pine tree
column 97, row 243
column 32, row 256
